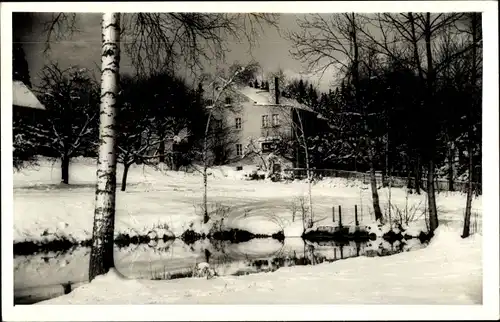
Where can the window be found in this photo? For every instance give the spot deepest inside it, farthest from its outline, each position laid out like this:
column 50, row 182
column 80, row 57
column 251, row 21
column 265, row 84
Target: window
column 265, row 120
column 228, row 100
column 210, row 102
column 276, row 119
column 218, row 124
column 239, row 149
column 266, row 147
column 238, row 122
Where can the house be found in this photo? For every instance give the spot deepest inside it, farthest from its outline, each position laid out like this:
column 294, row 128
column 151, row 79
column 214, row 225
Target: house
column 255, row 120
column 26, row 108
column 23, row 100
column 27, row 111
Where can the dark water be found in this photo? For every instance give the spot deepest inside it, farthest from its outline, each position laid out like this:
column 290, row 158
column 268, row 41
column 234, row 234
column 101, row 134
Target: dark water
column 46, row 275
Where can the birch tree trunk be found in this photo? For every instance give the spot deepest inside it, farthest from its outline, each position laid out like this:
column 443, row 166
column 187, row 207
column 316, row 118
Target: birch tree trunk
column 308, row 169
column 101, row 255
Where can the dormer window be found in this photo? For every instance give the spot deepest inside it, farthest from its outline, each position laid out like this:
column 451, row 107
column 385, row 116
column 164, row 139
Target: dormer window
column 228, row 100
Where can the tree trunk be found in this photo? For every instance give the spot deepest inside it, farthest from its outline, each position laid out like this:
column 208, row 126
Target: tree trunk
column 450, row 167
column 373, row 185
column 101, row 254
column 409, row 184
column 468, row 202
column 161, row 151
column 308, row 169
column 470, row 188
column 373, row 179
column 126, row 166
column 417, row 60
column 65, row 169
column 206, row 218
column 433, row 216
column 386, row 172
column 418, row 177
column 384, row 176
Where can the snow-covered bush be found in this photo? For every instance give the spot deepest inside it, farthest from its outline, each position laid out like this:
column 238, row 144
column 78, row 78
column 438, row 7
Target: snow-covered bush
column 204, row 270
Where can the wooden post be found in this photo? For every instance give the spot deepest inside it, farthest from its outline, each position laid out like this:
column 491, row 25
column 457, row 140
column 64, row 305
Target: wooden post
column 340, row 217
column 335, row 253
column 341, row 251
column 333, row 214
column 356, row 215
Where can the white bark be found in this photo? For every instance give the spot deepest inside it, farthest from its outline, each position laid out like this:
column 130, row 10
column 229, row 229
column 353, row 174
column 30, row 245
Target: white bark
column 215, row 104
column 308, row 170
column 101, row 257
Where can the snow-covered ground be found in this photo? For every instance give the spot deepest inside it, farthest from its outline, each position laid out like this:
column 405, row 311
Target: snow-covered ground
column 169, row 202
column 448, row 271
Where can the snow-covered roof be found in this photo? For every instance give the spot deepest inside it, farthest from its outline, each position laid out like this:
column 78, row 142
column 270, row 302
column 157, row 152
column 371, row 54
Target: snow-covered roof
column 266, row 98
column 23, row 96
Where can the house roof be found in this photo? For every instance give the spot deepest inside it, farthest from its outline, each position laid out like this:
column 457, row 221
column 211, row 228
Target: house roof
column 262, row 97
column 23, row 96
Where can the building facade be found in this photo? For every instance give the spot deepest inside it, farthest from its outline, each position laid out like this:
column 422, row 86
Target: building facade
column 253, row 121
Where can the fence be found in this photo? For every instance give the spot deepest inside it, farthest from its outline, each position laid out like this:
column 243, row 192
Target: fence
column 396, row 182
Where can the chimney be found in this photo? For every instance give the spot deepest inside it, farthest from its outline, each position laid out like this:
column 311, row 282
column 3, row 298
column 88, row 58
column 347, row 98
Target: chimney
column 276, row 90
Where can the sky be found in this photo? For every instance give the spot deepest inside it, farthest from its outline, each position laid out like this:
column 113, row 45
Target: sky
column 83, row 49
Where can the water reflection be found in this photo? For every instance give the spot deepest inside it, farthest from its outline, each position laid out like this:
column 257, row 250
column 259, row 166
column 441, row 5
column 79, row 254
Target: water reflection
column 42, row 276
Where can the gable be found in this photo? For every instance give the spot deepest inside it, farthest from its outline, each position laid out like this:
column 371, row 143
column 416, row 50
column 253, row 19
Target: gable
column 24, row 97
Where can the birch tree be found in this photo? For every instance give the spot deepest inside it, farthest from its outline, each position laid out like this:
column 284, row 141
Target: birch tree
column 300, row 135
column 101, row 254
column 219, row 88
column 154, row 42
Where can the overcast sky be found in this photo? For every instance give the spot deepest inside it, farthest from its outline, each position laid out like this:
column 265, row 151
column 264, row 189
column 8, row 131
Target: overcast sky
column 83, row 49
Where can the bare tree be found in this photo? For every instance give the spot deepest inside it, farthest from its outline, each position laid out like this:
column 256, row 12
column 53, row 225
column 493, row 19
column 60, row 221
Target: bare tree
column 219, row 86
column 159, row 41
column 70, row 97
column 475, row 31
column 418, row 32
column 300, row 135
column 252, row 149
column 325, row 43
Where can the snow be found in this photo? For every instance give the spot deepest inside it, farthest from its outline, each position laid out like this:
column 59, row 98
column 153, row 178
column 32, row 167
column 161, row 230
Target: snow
column 23, row 96
column 448, row 271
column 168, row 202
column 265, row 98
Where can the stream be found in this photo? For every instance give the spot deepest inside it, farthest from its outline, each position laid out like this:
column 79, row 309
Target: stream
column 46, row 275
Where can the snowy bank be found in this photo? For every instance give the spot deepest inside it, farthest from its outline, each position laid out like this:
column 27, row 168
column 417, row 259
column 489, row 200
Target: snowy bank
column 168, row 202
column 448, row 271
